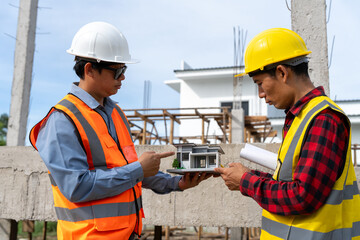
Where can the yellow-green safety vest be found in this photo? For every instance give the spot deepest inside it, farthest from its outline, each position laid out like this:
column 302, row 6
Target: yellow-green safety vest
column 339, row 217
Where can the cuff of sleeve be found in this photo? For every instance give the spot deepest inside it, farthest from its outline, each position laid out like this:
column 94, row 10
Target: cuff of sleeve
column 136, row 172
column 246, row 183
column 176, row 183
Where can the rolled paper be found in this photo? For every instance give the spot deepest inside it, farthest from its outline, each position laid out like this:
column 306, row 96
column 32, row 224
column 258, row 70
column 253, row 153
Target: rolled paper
column 260, row 156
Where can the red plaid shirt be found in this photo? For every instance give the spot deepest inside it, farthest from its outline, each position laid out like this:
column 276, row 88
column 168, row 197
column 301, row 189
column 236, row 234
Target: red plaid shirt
column 321, row 163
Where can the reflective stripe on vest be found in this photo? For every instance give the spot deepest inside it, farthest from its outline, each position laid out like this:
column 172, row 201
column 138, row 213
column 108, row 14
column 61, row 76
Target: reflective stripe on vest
column 97, row 151
column 336, row 219
column 99, row 210
column 286, row 168
column 122, row 115
column 282, row 231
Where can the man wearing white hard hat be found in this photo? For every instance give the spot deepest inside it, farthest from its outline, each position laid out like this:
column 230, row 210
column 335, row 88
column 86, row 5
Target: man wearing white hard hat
column 85, row 142
column 313, row 193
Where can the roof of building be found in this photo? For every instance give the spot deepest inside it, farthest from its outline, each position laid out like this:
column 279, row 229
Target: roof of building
column 205, row 69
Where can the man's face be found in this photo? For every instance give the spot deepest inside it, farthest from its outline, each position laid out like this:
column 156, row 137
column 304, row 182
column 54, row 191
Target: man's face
column 106, row 83
column 273, row 89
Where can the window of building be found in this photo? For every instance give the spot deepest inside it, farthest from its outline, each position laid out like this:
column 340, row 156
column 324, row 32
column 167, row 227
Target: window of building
column 212, row 160
column 185, row 156
column 244, row 105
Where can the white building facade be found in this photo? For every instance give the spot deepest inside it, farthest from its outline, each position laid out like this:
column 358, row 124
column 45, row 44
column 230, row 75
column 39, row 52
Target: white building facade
column 213, row 87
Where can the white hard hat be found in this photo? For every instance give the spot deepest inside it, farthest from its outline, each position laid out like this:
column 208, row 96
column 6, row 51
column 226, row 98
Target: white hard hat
column 101, row 41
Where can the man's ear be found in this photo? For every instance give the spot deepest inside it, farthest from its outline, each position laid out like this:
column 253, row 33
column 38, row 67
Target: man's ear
column 282, row 72
column 88, row 70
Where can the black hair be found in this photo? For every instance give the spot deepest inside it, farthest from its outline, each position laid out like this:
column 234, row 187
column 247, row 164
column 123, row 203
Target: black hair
column 81, row 62
column 300, row 70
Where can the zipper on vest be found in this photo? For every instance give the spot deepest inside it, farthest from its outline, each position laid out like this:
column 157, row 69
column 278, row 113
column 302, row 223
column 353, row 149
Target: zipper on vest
column 135, row 198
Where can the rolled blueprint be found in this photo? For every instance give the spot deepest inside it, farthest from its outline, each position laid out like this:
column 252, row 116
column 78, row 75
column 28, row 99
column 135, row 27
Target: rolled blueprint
column 260, row 156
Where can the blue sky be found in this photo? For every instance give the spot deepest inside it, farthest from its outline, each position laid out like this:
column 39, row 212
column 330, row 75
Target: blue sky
column 161, row 33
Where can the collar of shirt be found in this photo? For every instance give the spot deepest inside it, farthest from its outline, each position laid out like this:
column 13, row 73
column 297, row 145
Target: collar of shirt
column 295, row 110
column 89, row 100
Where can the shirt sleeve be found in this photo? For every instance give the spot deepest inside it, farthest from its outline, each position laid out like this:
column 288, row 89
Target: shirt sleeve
column 60, row 149
column 162, row 183
column 321, row 162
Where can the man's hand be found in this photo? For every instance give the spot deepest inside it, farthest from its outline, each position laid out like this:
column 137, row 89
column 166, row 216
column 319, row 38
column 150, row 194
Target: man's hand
column 150, row 162
column 232, row 175
column 189, row 181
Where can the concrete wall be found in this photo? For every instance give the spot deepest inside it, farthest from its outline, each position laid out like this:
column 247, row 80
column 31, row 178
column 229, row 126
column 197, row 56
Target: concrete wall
column 25, row 193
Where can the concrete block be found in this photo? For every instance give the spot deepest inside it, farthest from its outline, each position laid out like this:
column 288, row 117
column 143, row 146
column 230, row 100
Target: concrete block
column 25, row 192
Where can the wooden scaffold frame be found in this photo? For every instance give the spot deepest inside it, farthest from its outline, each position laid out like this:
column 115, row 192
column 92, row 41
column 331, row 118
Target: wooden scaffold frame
column 143, row 135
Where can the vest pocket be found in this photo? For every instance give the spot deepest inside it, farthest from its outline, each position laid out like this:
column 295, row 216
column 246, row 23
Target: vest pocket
column 130, row 153
column 109, row 141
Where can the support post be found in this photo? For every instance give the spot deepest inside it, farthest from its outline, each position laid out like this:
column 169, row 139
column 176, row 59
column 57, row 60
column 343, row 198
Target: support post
column 237, row 126
column 167, row 233
column 200, row 232
column 202, row 131
column 171, row 140
column 308, row 19
column 23, row 65
column 20, row 91
column 158, row 233
column 143, row 141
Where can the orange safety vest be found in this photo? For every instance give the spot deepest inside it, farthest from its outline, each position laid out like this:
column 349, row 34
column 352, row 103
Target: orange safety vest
column 115, row 217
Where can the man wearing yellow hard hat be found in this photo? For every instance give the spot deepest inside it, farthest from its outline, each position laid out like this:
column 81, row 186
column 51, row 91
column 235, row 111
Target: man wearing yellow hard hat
column 313, row 193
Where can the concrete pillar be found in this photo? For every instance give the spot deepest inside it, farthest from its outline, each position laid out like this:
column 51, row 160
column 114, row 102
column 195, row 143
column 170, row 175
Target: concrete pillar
column 237, row 122
column 23, row 65
column 308, row 19
column 20, row 92
column 237, row 135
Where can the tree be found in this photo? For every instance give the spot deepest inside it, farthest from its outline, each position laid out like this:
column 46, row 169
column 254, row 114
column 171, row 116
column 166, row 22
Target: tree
column 3, row 128
column 176, row 163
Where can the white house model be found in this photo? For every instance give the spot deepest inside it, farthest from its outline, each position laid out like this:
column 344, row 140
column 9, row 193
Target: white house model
column 193, row 156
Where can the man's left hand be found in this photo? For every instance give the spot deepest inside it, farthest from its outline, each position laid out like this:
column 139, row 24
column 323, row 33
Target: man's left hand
column 189, row 181
column 232, row 175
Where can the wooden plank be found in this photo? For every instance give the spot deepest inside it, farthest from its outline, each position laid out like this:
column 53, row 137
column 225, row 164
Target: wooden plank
column 171, row 138
column 165, row 112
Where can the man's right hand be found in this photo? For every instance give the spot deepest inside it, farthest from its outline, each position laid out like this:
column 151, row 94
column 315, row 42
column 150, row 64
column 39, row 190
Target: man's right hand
column 150, row 162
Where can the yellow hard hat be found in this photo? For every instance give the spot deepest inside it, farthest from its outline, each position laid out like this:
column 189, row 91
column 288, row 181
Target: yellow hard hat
column 273, row 46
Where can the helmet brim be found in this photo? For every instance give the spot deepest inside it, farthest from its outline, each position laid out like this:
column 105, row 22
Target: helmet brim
column 130, row 61
column 240, row 75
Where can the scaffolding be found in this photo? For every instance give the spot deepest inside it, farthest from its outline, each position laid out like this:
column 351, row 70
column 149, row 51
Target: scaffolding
column 144, row 129
column 258, row 129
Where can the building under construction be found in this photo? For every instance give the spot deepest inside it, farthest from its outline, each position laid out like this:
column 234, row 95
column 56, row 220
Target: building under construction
column 145, row 125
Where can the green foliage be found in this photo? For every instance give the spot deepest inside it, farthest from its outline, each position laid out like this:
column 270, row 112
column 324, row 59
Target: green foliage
column 176, row 163
column 39, row 228
column 3, row 128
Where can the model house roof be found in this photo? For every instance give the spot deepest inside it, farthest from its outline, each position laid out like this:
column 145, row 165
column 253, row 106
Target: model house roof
column 198, row 146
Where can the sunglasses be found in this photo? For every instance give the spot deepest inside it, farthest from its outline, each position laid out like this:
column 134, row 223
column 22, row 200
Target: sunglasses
column 117, row 71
